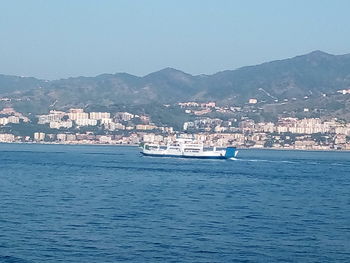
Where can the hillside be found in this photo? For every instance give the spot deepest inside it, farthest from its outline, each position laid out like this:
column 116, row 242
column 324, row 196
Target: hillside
column 310, row 74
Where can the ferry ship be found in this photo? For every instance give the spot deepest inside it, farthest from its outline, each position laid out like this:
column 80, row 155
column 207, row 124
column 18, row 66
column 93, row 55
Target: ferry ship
column 187, row 148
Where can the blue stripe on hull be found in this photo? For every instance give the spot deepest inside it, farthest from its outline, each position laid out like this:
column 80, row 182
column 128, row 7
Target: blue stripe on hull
column 182, row 156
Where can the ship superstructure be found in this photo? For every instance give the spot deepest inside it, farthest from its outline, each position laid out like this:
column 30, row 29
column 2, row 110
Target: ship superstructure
column 188, row 148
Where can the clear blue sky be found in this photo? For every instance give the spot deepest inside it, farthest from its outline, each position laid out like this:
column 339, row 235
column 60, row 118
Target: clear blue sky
column 55, row 39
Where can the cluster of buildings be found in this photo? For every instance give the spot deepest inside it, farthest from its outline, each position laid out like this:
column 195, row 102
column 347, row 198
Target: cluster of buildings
column 83, row 138
column 78, row 118
column 286, row 133
column 9, row 115
column 76, row 126
column 79, row 127
column 283, row 125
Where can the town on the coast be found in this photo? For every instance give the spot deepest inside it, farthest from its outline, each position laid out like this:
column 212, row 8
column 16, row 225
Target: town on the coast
column 78, row 126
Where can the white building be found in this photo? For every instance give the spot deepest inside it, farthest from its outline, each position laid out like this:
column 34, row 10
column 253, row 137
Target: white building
column 61, row 124
column 13, row 119
column 100, row 115
column 4, row 121
column 52, row 116
column 76, row 110
column 105, row 139
column 78, row 115
column 61, row 137
column 86, row 122
column 253, row 101
column 71, row 137
column 6, row 137
column 39, row 136
column 106, row 120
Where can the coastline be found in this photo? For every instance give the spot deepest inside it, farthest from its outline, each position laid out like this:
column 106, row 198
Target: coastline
column 137, row 145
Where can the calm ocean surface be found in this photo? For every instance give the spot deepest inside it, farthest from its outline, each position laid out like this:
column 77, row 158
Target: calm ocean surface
column 109, row 204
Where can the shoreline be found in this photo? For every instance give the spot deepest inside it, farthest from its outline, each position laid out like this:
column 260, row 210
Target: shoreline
column 137, row 145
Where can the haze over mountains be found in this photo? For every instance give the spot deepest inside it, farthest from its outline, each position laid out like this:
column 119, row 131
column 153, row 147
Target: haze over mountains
column 313, row 73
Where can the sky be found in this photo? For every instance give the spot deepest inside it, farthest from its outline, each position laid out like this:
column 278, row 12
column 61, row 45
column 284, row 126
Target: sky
column 52, row 39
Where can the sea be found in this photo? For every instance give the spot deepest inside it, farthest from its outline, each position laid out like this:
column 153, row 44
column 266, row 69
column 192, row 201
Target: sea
column 69, row 203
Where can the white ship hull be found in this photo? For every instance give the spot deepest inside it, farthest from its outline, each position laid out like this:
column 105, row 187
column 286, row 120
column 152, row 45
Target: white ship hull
column 188, row 151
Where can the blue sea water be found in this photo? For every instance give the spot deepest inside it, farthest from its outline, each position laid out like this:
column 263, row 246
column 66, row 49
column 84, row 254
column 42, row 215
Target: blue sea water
column 109, row 204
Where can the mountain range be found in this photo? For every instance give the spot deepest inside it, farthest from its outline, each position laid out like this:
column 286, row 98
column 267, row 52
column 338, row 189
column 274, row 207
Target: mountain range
column 311, row 74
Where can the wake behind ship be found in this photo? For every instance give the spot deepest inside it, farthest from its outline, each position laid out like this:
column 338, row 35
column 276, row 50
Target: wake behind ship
column 187, row 148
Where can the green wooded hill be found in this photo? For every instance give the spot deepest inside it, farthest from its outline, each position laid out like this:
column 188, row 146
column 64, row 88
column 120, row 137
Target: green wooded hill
column 306, row 75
